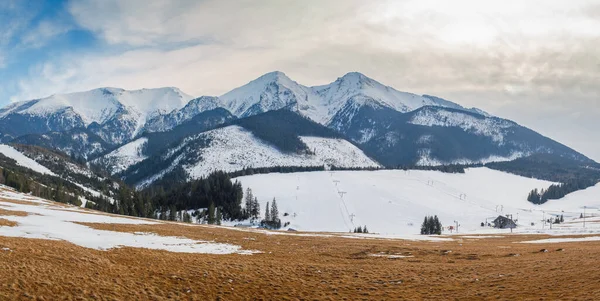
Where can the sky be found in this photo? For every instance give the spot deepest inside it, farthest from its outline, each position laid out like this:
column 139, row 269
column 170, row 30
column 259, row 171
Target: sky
column 534, row 62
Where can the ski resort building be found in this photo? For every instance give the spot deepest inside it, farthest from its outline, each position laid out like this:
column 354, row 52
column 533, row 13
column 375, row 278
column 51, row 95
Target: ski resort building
column 503, row 222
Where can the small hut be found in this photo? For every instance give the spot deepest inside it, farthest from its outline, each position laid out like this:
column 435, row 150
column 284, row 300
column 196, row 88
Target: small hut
column 503, row 222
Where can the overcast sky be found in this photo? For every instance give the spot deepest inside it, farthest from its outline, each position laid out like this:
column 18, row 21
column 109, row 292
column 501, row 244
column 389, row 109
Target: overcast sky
column 535, row 62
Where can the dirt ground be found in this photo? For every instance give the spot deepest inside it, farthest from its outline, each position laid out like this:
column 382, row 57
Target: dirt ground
column 295, row 267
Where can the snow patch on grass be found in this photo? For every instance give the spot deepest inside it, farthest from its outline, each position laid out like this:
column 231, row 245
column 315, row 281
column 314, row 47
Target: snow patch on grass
column 48, row 221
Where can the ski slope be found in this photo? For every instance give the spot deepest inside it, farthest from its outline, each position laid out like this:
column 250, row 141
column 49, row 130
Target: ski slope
column 394, row 202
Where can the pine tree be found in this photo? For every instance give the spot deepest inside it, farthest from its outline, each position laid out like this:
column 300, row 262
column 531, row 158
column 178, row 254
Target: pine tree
column 219, row 216
column 249, row 199
column 267, row 213
column 211, row 213
column 365, row 230
column 255, row 209
column 187, row 218
column 274, row 211
column 424, row 225
column 172, row 213
column 437, row 229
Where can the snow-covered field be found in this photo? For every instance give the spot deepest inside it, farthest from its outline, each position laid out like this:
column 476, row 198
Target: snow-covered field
column 394, row 202
column 48, row 221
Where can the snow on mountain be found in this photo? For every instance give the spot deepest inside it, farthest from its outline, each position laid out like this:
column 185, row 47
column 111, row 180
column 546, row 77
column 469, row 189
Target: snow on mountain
column 234, row 148
column 99, row 105
column 23, row 160
column 123, row 157
column 196, row 106
column 490, row 127
column 114, row 114
column 425, row 159
column 272, row 91
column 394, row 202
column 335, row 95
column 275, row 90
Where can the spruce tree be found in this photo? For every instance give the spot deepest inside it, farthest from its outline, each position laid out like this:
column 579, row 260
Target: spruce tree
column 267, row 213
column 211, row 213
column 255, row 209
column 219, row 216
column 249, row 199
column 172, row 213
column 424, row 230
column 274, row 211
column 437, row 229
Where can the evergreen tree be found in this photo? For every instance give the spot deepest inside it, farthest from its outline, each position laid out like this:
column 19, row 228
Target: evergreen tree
column 431, row 225
column 219, row 217
column 172, row 213
column 249, row 199
column 437, row 229
column 365, row 230
column 211, row 213
column 267, row 213
column 255, row 212
column 275, row 221
column 274, row 211
column 424, row 226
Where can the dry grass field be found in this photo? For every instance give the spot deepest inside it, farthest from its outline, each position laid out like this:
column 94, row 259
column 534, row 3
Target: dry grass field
column 299, row 267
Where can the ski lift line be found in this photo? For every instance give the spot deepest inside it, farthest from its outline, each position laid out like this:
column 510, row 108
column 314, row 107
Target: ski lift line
column 344, row 216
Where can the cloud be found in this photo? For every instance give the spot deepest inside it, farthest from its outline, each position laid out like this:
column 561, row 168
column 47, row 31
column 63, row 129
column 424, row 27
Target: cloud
column 43, row 32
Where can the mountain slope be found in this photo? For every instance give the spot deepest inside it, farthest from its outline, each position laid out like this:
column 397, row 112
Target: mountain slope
column 392, row 127
column 116, row 115
column 275, row 91
column 150, row 144
column 78, row 142
column 277, row 138
column 54, row 176
column 440, row 136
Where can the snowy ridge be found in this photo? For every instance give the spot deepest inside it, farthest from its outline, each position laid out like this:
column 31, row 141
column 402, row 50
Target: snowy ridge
column 354, row 84
column 272, row 91
column 275, row 90
column 233, row 148
column 124, row 156
column 196, row 106
column 425, row 159
column 100, row 105
column 394, row 202
column 23, row 160
column 489, row 127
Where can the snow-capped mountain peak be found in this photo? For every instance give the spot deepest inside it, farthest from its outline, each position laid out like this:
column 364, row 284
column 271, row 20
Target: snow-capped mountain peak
column 272, row 91
column 115, row 114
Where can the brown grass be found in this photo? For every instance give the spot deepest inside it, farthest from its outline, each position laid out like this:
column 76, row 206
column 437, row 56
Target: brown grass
column 6, row 223
column 300, row 268
column 12, row 213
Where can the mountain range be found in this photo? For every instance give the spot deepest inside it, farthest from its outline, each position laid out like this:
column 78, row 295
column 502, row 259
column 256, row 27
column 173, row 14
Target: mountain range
column 353, row 122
